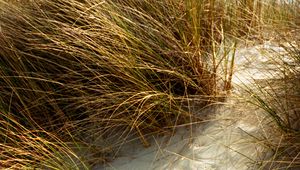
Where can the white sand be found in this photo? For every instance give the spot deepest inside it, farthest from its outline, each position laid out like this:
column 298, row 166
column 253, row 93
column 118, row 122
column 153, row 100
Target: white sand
column 227, row 141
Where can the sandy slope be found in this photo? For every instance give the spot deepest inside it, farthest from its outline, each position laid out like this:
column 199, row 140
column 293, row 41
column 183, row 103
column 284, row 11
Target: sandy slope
column 231, row 139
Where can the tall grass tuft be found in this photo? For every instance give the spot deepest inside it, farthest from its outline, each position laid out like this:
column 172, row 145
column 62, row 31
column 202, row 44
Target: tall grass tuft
column 280, row 98
column 108, row 69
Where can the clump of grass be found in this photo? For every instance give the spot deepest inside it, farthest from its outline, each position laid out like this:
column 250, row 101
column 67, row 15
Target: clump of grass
column 108, row 68
column 279, row 97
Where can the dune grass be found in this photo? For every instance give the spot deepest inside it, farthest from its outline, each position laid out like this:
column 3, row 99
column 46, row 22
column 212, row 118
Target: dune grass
column 106, row 70
column 279, row 98
column 80, row 71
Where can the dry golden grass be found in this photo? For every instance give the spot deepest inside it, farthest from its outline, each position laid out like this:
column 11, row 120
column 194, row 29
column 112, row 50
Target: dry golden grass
column 89, row 70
